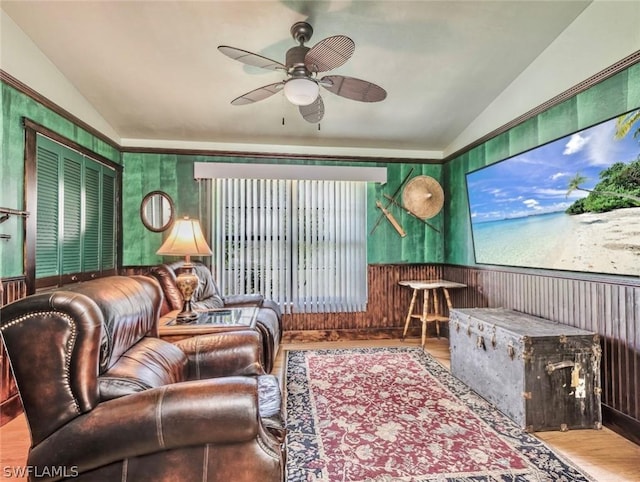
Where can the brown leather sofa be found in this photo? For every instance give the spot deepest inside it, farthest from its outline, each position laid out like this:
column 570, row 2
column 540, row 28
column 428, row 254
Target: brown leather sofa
column 106, row 399
column 207, row 296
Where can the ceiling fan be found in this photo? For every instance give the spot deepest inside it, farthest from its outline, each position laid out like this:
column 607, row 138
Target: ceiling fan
column 302, row 66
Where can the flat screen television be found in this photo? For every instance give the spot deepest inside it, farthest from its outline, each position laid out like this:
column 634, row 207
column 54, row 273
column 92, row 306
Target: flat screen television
column 572, row 204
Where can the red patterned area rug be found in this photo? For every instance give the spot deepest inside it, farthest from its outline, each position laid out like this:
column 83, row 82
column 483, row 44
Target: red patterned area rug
column 396, row 414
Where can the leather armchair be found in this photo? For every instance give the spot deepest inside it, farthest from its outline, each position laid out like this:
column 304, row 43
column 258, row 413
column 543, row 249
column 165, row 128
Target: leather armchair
column 207, row 296
column 106, row 400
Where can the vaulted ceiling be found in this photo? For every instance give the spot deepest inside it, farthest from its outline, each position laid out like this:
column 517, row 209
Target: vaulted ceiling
column 152, row 70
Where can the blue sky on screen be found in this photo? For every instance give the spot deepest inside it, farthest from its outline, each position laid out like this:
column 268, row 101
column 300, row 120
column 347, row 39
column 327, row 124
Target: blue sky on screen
column 536, row 181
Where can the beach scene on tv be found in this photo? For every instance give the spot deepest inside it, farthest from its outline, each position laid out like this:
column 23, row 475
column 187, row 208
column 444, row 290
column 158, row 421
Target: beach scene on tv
column 572, row 204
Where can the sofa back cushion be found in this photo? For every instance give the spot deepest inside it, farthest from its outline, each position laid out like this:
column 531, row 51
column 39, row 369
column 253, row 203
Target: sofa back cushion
column 150, row 363
column 165, row 275
column 205, row 297
column 130, row 306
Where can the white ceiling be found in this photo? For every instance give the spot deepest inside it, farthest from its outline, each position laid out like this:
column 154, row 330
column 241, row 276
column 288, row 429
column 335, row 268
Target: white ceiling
column 151, row 69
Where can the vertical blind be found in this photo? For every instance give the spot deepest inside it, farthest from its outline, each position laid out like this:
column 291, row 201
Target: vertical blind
column 300, row 243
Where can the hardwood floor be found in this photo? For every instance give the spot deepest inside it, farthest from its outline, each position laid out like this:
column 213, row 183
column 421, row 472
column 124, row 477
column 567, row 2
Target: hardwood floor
column 602, row 453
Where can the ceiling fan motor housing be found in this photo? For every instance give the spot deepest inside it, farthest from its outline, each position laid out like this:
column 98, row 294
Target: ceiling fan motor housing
column 295, row 61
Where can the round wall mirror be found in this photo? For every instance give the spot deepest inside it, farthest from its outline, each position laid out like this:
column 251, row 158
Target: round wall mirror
column 157, row 211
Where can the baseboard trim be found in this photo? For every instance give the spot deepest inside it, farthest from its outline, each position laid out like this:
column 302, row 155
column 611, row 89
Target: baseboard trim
column 620, row 423
column 10, row 409
column 305, row 336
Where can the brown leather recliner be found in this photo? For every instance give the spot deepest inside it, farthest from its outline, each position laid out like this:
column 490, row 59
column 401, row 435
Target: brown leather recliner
column 207, row 296
column 105, row 399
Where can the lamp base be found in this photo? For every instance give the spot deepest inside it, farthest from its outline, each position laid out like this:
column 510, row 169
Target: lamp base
column 187, row 282
column 187, row 315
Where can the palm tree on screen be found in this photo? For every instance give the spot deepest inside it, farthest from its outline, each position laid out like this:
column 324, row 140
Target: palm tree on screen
column 625, row 122
column 578, row 180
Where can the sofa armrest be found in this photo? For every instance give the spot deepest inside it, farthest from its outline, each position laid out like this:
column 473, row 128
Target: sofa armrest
column 223, row 354
column 217, row 411
column 253, row 299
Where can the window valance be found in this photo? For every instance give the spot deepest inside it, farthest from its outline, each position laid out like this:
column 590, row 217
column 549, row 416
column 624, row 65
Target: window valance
column 231, row 170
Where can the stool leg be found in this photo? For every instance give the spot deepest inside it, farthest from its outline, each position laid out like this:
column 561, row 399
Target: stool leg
column 425, row 311
column 436, row 310
column 406, row 323
column 448, row 299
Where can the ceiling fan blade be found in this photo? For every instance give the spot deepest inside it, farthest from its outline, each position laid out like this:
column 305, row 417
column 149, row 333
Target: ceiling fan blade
column 352, row 88
column 313, row 112
column 250, row 58
column 260, row 93
column 329, row 53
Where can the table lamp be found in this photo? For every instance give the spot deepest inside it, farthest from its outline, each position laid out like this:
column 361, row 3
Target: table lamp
column 186, row 239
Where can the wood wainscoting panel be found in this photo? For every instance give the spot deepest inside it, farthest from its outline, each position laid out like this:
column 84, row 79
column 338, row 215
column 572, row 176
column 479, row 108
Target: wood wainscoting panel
column 387, row 303
column 608, row 306
column 11, row 289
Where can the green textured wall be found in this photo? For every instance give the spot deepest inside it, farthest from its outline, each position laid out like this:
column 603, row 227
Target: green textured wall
column 603, row 101
column 422, row 244
column 15, row 106
column 174, row 175
column 144, row 173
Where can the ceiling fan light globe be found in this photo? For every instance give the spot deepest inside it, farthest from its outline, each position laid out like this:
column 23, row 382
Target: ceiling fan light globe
column 301, row 91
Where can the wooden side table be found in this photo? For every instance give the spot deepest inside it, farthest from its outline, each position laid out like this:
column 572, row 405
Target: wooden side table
column 211, row 321
column 430, row 309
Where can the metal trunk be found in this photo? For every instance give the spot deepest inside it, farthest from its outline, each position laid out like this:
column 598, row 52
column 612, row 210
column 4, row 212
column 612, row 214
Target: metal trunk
column 541, row 374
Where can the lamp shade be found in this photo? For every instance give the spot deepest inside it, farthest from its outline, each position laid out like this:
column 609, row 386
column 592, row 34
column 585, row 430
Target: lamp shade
column 301, row 91
column 185, row 239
